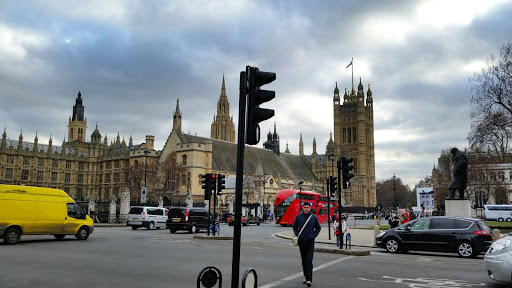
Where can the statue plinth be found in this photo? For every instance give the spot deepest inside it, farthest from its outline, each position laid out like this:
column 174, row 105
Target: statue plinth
column 459, row 207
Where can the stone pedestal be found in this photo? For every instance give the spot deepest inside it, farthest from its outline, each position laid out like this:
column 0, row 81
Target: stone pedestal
column 458, row 207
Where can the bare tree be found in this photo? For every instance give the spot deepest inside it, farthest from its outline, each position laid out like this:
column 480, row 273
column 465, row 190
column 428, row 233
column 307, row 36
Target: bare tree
column 137, row 175
column 492, row 110
column 386, row 194
column 170, row 173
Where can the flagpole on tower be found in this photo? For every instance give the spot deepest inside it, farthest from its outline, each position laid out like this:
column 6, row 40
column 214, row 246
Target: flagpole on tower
column 352, row 62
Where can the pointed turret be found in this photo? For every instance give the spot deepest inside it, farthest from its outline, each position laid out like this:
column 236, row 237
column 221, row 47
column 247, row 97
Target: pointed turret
column 20, row 142
column 331, row 146
column 131, row 141
column 259, row 168
column 4, row 139
column 176, row 125
column 96, row 136
column 336, row 97
column 369, row 98
column 301, row 146
column 36, row 148
column 287, row 150
column 50, row 143
column 118, row 139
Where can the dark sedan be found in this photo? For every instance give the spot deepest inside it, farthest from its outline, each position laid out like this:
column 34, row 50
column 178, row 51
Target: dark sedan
column 466, row 236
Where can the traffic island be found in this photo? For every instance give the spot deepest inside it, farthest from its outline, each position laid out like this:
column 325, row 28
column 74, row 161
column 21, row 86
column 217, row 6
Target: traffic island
column 206, row 237
column 344, row 251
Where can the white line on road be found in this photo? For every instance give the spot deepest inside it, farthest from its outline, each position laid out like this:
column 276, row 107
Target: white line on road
column 294, row 276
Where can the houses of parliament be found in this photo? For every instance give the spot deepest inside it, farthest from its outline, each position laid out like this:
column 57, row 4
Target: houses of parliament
column 88, row 166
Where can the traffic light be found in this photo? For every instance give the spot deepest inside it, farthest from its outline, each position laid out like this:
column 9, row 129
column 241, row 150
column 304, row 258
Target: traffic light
column 220, row 183
column 213, row 184
column 206, row 185
column 346, row 169
column 332, row 185
column 255, row 114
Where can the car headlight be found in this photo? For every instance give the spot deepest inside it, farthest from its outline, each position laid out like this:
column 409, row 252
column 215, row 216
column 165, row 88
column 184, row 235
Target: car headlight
column 381, row 234
column 500, row 245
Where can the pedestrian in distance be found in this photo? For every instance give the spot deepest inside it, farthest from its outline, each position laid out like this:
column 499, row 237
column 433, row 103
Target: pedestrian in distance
column 307, row 225
column 379, row 216
column 339, row 231
column 395, row 222
column 412, row 216
column 405, row 218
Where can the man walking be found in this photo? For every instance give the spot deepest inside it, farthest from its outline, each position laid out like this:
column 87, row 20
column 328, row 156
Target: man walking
column 306, row 224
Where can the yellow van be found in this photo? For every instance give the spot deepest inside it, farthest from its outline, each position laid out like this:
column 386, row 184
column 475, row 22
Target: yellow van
column 36, row 211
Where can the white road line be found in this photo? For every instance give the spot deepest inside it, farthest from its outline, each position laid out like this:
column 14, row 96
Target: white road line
column 294, row 276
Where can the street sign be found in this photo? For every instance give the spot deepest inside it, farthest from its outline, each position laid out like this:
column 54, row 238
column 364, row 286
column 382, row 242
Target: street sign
column 143, row 194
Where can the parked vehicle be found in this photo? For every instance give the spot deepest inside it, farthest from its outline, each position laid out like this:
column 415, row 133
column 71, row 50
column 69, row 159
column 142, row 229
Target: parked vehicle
column 246, row 220
column 466, row 236
column 189, row 219
column 498, row 213
column 146, row 216
column 26, row 210
column 498, row 260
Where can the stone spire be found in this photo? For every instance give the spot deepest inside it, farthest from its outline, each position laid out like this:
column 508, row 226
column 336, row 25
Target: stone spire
column 36, row 148
column 314, row 146
column 50, row 142
column 20, row 142
column 287, row 150
column 259, row 168
column 131, row 141
column 336, row 97
column 301, row 146
column 4, row 139
column 176, row 125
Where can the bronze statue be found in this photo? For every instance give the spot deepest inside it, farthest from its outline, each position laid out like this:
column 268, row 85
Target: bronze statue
column 460, row 173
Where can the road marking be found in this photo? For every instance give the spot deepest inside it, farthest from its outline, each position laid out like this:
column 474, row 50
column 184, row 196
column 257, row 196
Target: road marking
column 294, row 276
column 425, row 282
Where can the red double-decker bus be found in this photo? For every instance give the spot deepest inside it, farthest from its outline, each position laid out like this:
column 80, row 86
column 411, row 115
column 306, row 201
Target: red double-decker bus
column 287, row 205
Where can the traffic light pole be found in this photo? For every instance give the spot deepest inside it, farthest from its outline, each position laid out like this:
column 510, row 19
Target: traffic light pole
column 235, row 266
column 329, row 208
column 214, row 204
column 338, row 164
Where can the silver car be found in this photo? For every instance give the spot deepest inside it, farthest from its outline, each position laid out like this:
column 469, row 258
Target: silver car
column 498, row 260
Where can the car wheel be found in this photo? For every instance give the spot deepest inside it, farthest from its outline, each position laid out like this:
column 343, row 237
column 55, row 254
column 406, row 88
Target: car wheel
column 12, row 236
column 466, row 250
column 258, row 223
column 59, row 236
column 509, row 219
column 157, row 228
column 392, row 245
column 82, row 234
column 172, row 231
column 134, row 227
column 193, row 229
column 500, row 219
column 151, row 226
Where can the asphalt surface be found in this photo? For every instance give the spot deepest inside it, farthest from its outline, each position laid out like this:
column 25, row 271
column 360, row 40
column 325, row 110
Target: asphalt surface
column 121, row 257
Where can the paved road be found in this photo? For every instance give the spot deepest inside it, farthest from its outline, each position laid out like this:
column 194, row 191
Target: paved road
column 121, row 257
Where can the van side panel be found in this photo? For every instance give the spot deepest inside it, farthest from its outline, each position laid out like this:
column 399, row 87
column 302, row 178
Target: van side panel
column 38, row 210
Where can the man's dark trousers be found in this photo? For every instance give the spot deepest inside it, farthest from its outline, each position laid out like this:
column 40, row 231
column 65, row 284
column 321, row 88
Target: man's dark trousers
column 306, row 254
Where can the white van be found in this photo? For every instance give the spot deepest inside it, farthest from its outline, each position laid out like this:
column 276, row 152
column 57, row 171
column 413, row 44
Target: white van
column 148, row 217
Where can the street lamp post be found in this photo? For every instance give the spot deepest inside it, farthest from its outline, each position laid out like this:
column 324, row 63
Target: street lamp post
column 146, row 152
column 394, row 189
column 331, row 157
column 300, row 192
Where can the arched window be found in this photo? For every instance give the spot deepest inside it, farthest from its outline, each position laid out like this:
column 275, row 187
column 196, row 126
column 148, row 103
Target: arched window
column 184, row 160
column 344, row 135
column 354, row 134
column 349, row 135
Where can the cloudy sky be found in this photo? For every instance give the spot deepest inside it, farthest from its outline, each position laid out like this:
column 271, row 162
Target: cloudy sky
column 133, row 59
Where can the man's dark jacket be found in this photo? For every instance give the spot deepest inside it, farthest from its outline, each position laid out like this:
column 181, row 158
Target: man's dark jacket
column 311, row 230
